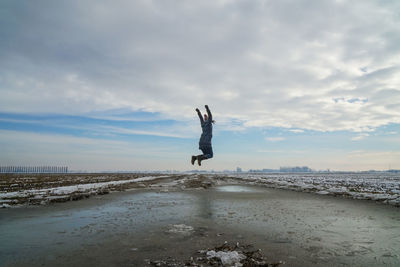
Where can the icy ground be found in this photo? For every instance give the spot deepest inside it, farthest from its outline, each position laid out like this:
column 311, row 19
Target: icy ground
column 226, row 255
column 43, row 189
column 178, row 219
column 35, row 189
column 383, row 187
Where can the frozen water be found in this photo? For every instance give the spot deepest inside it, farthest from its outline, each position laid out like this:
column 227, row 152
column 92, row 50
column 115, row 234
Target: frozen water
column 237, row 189
column 301, row 229
column 228, row 258
column 384, row 187
column 180, row 229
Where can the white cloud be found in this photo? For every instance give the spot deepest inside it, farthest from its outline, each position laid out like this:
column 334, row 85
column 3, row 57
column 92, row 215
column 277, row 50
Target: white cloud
column 360, row 137
column 281, row 151
column 296, row 131
column 120, row 130
column 265, row 63
column 26, row 148
column 274, row 139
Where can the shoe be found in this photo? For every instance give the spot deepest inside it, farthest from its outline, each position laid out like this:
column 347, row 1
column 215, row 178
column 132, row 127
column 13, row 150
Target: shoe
column 193, row 159
column 200, row 158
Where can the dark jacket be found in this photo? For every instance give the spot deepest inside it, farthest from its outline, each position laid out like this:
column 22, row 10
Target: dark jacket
column 206, row 126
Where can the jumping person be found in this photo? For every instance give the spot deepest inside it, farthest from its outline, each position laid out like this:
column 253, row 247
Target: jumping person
column 205, row 138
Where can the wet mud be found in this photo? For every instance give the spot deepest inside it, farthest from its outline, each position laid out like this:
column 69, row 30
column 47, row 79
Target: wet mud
column 177, row 223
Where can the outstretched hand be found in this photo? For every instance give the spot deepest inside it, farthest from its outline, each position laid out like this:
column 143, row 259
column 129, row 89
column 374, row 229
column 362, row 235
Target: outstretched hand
column 206, row 106
column 197, row 110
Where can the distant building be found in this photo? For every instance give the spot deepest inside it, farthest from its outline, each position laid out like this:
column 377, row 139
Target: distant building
column 238, row 169
column 264, row 170
column 295, row 169
column 33, row 169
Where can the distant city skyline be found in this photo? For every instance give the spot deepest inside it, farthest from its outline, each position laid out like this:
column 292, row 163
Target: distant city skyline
column 113, row 86
column 64, row 170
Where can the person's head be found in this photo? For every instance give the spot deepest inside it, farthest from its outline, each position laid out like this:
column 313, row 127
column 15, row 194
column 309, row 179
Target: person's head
column 205, row 117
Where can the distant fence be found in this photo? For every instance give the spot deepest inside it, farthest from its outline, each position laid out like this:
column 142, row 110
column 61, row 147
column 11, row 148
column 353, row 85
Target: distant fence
column 33, row 169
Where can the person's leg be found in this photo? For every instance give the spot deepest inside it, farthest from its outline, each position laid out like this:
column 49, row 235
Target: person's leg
column 207, row 154
column 193, row 159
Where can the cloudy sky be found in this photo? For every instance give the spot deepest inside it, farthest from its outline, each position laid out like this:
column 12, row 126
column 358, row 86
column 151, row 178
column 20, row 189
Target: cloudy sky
column 112, row 85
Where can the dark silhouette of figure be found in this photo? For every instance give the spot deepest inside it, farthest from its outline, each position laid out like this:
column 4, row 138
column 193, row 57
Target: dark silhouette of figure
column 205, row 138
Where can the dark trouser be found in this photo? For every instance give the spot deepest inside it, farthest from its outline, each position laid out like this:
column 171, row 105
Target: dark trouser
column 207, row 151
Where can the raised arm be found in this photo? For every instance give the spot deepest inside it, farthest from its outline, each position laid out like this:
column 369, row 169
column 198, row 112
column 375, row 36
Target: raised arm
column 208, row 113
column 200, row 116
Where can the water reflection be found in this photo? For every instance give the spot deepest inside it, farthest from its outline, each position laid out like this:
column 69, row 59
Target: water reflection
column 239, row 189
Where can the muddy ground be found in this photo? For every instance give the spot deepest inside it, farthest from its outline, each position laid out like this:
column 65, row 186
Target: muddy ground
column 178, row 220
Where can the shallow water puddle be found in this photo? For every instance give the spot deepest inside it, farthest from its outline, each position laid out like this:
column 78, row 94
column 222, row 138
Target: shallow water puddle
column 127, row 228
column 239, row 189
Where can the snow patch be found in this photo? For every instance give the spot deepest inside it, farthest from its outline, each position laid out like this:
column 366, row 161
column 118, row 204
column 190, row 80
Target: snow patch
column 63, row 191
column 383, row 187
column 180, row 229
column 228, row 258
